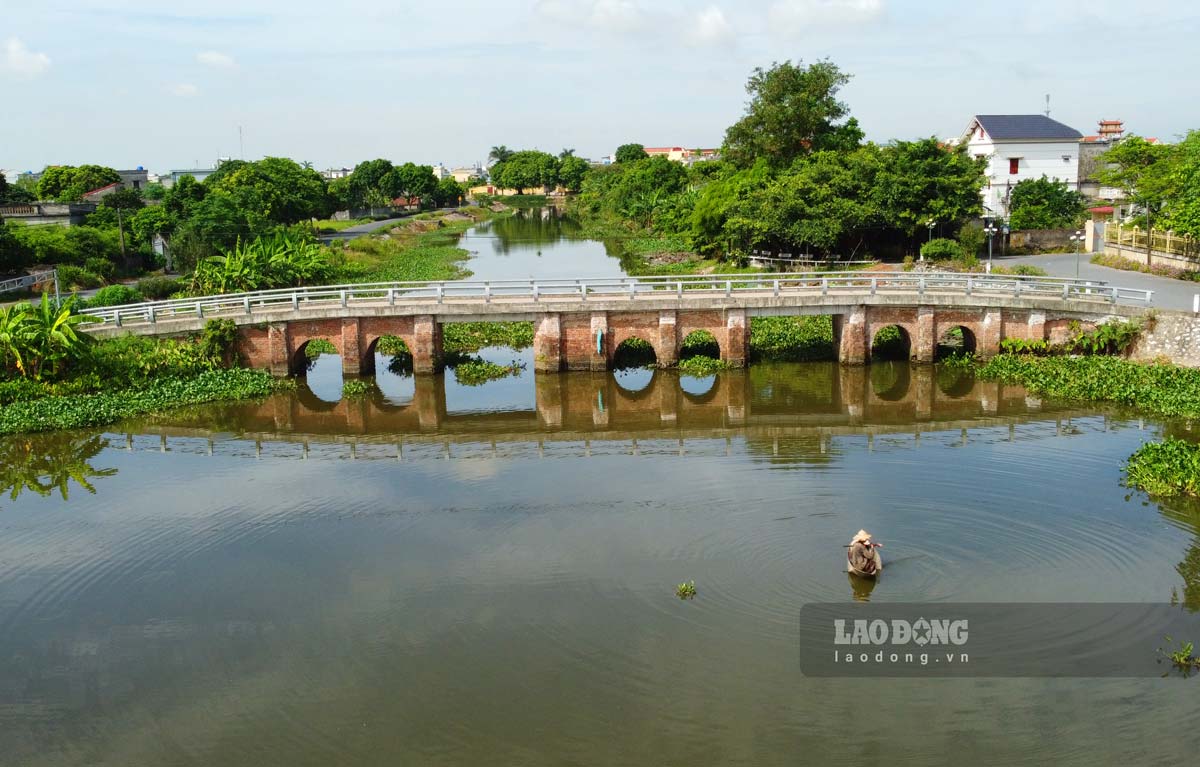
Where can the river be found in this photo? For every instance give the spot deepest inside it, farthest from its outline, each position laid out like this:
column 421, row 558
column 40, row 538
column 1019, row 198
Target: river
column 442, row 574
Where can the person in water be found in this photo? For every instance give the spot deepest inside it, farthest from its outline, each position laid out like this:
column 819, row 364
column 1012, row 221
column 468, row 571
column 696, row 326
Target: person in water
column 862, row 556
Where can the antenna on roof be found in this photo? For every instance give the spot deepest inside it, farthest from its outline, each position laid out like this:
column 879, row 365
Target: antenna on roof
column 1047, row 104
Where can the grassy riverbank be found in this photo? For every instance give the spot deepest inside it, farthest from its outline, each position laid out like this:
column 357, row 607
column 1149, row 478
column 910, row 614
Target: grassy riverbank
column 424, row 247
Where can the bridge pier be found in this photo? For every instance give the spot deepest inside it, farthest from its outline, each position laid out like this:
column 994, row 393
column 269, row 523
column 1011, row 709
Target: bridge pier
column 427, row 353
column 548, row 344
column 667, row 348
column 850, row 336
column 548, row 399
column 429, row 399
column 736, row 351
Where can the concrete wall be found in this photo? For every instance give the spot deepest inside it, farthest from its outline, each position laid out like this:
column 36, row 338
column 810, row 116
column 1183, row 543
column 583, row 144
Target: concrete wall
column 1175, row 336
column 1159, row 258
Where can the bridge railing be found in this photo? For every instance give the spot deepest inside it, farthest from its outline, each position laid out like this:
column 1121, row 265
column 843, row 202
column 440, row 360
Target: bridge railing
column 631, row 288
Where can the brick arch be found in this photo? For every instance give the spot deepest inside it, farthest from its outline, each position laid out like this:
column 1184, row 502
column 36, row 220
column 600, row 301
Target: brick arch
column 712, row 322
column 625, row 325
column 300, row 333
column 908, row 328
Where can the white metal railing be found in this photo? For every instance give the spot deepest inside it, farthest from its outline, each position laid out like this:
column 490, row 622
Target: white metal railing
column 501, row 292
column 28, row 280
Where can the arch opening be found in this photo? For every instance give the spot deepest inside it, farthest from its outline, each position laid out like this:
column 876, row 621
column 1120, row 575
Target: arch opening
column 318, row 361
column 393, row 364
column 699, row 343
column 891, row 343
column 890, row 379
column 633, row 353
column 957, row 341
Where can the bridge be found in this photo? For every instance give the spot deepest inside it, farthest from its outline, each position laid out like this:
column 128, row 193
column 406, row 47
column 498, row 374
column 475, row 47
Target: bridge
column 579, row 324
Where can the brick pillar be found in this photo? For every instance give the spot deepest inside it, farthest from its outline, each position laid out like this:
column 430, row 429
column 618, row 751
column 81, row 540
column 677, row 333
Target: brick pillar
column 427, row 344
column 989, row 396
column 1036, row 326
column 850, row 332
column 737, row 332
column 547, row 345
column 668, row 339
column 356, row 414
column 668, row 399
column 352, row 361
column 548, row 397
column 429, row 399
column 925, row 344
column 599, row 361
column 280, row 349
column 281, row 411
column 988, row 343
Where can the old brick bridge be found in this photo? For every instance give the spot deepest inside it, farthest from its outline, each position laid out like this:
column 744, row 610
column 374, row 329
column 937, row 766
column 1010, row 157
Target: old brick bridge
column 579, row 324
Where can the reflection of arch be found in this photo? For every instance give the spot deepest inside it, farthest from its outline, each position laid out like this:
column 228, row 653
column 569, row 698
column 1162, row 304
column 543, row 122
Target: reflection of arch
column 891, row 342
column 956, row 339
column 310, row 401
column 635, row 383
column 954, row 381
column 704, row 391
column 700, row 343
column 633, row 352
column 890, row 380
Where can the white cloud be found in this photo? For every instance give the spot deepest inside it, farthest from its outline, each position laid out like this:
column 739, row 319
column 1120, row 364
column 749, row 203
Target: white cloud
column 710, row 27
column 21, row 61
column 611, row 15
column 184, row 89
column 803, row 13
column 216, row 60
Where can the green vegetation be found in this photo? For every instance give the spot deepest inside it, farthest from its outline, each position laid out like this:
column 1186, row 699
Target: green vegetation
column 329, row 225
column 1182, row 657
column 68, row 183
column 391, row 346
column 686, row 590
column 1162, row 389
column 795, row 178
column 424, row 247
column 634, row 353
column 114, row 295
column 942, row 249
column 41, row 341
column 1021, row 270
column 318, row 346
column 890, row 343
column 793, row 339
column 356, row 388
column 1129, row 265
column 701, row 366
column 283, row 260
column 92, row 410
column 158, row 287
column 1113, row 337
column 1045, row 204
column 473, row 336
column 474, row 371
column 1167, row 468
column 1162, row 180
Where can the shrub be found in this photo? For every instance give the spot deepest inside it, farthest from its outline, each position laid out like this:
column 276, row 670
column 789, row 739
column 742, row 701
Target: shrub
column 287, row 259
column 114, row 295
column 972, row 239
column 943, row 249
column 159, row 288
column 1167, row 468
column 78, row 278
column 100, row 266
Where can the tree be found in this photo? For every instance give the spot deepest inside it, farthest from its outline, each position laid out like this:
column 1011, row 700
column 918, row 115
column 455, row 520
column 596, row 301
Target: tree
column 123, row 199
column 630, row 153
column 499, row 154
column 13, row 254
column 408, row 181
column 566, row 152
column 274, row 190
column 1045, row 204
column 155, row 191
column 525, row 170
column 3, row 189
column 449, row 192
column 67, row 183
column 793, row 111
column 365, row 183
column 571, row 170
column 923, row 180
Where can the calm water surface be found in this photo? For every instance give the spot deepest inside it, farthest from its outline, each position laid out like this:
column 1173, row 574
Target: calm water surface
column 542, row 243
column 446, row 575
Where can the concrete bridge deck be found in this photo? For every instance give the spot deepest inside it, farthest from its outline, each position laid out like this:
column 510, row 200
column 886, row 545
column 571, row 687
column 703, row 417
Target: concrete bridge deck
column 579, row 324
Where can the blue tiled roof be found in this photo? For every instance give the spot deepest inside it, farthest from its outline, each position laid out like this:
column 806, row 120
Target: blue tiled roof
column 1008, row 127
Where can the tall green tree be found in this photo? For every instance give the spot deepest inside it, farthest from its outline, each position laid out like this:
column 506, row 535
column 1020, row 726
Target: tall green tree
column 365, row 184
column 409, row 181
column 923, row 180
column 525, row 170
column 571, row 170
column 1045, row 204
column 630, row 153
column 68, row 183
column 793, row 111
column 274, row 190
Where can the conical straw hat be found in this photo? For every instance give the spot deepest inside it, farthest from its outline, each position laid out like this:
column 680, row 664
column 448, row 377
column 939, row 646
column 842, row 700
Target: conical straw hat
column 861, row 535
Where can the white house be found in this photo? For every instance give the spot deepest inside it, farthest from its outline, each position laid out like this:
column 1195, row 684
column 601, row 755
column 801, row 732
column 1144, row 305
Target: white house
column 1020, row 147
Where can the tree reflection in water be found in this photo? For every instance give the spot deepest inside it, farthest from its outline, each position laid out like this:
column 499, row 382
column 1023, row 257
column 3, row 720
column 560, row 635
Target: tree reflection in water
column 49, row 462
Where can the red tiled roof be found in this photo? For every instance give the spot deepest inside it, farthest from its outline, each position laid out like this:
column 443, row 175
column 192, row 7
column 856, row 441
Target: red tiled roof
column 1101, row 209
column 102, row 188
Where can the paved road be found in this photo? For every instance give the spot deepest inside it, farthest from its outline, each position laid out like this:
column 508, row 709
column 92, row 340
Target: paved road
column 1168, row 293
column 358, row 230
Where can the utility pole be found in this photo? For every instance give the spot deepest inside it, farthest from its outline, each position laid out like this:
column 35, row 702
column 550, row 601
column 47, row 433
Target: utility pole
column 121, row 229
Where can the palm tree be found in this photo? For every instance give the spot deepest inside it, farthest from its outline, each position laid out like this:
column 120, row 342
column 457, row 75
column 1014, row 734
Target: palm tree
column 565, row 153
column 499, row 154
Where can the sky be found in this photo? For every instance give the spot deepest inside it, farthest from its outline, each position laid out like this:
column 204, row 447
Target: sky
column 166, row 86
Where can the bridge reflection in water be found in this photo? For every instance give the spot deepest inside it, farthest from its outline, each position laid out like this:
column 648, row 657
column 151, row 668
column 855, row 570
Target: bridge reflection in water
column 765, row 402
